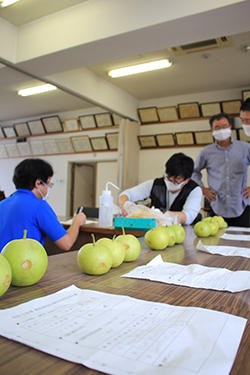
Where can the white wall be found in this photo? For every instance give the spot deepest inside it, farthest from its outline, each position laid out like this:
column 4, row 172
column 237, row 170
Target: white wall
column 107, row 172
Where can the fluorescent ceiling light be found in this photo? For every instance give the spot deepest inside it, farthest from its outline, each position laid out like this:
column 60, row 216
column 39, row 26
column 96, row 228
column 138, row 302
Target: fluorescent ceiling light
column 6, row 3
column 140, row 68
column 36, row 90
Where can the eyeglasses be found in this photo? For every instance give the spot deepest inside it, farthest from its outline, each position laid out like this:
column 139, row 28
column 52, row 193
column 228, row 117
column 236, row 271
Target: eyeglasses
column 50, row 184
column 245, row 121
column 174, row 179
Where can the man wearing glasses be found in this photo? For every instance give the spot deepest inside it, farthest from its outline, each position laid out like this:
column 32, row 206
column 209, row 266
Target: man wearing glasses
column 27, row 208
column 174, row 192
column 226, row 162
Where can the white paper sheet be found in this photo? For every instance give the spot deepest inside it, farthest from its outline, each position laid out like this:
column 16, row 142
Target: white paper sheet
column 193, row 275
column 69, row 222
column 224, row 250
column 236, row 237
column 121, row 335
column 237, row 229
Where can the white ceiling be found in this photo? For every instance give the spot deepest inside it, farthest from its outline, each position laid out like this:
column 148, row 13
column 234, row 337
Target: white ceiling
column 25, row 11
column 210, row 70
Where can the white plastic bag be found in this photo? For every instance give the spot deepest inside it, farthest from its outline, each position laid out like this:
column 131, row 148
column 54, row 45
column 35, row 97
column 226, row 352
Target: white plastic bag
column 141, row 211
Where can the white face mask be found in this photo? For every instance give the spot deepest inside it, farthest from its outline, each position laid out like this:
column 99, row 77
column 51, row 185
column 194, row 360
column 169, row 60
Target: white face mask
column 246, row 129
column 45, row 197
column 222, row 134
column 171, row 186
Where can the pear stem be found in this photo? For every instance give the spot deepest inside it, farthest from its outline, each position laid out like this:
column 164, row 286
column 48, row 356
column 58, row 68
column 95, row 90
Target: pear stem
column 25, row 234
column 93, row 238
column 114, row 236
column 150, row 226
column 123, row 231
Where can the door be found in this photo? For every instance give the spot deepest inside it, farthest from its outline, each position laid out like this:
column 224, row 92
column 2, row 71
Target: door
column 83, row 184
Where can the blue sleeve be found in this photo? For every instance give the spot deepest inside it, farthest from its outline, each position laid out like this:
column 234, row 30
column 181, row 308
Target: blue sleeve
column 48, row 223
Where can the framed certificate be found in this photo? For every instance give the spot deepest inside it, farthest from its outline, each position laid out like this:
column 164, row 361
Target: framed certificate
column 52, row 124
column 99, row 143
column 245, row 95
column 87, row 122
column 148, row 115
column 50, row 146
column 147, row 141
column 210, row 109
column 64, row 145
column 231, row 106
column 12, row 149
column 116, row 119
column 167, row 114
column 22, row 129
column 3, row 152
column 24, row 148
column 189, row 110
column 9, row 131
column 1, row 133
column 164, row 140
column 71, row 125
column 81, row 143
column 103, row 119
column 112, row 139
column 36, row 127
column 183, row 139
column 243, row 136
column 203, row 137
column 37, row 148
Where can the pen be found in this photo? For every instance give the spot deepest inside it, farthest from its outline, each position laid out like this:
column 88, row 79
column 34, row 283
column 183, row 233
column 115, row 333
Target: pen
column 78, row 210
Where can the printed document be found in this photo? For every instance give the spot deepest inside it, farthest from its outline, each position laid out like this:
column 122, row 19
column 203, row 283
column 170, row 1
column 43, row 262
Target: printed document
column 224, row 250
column 192, row 275
column 236, row 237
column 121, row 335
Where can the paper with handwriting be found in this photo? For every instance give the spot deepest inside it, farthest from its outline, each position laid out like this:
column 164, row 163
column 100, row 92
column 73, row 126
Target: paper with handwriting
column 192, row 275
column 121, row 335
column 224, row 250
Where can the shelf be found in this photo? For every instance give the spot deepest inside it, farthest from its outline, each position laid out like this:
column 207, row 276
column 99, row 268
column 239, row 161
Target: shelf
column 183, row 120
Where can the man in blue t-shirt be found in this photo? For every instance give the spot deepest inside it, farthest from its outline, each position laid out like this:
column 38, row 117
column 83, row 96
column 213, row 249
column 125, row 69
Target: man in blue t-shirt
column 27, row 208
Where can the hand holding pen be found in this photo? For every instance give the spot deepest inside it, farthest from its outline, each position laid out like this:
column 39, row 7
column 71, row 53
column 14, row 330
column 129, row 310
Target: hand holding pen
column 79, row 216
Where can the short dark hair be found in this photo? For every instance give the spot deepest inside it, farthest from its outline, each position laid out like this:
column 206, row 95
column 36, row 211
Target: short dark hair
column 246, row 105
column 218, row 117
column 179, row 165
column 29, row 170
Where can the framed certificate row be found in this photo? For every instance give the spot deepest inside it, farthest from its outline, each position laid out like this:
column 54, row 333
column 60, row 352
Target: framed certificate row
column 183, row 139
column 53, row 124
column 60, row 145
column 193, row 110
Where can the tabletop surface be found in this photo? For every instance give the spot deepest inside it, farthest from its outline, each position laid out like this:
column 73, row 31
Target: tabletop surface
column 63, row 271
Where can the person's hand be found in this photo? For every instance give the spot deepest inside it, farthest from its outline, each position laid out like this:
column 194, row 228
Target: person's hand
column 122, row 200
column 124, row 212
column 246, row 192
column 209, row 194
column 80, row 218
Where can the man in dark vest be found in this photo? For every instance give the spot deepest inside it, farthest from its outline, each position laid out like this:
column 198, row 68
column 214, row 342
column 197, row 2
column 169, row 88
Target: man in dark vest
column 174, row 192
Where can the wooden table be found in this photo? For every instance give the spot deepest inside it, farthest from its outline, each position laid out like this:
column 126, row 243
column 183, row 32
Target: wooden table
column 85, row 236
column 18, row 359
